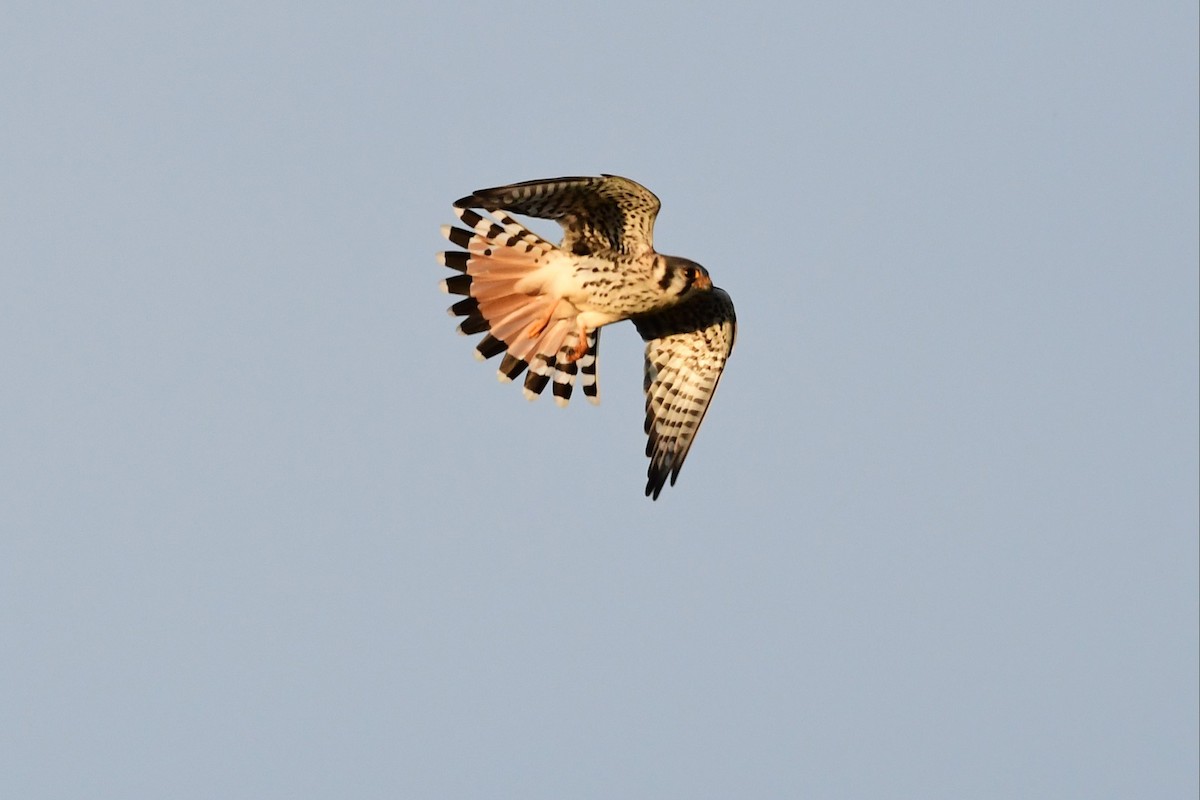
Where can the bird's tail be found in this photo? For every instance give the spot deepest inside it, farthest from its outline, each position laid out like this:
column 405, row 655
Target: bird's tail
column 499, row 280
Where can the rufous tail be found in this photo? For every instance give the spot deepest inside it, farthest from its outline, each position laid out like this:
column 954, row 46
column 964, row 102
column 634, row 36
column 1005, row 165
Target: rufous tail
column 498, row 277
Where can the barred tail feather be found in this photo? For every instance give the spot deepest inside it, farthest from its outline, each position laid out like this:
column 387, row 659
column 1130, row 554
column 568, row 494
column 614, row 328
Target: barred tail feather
column 589, row 379
column 500, row 266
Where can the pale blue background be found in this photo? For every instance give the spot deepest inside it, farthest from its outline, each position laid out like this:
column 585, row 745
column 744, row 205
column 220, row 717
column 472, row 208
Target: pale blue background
column 270, row 532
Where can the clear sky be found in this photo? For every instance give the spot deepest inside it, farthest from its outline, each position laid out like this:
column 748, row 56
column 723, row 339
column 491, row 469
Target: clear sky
column 267, row 530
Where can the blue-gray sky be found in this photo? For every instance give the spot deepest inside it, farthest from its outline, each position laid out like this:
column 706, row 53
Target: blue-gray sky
column 270, row 531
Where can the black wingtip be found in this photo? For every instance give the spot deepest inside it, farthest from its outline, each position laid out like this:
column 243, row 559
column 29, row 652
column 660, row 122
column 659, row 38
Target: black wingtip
column 470, row 201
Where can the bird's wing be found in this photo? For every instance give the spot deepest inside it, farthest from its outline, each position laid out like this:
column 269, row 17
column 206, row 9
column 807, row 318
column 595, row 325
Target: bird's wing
column 686, row 350
column 601, row 216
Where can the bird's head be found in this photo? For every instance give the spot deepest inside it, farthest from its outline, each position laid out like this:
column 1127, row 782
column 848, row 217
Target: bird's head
column 682, row 277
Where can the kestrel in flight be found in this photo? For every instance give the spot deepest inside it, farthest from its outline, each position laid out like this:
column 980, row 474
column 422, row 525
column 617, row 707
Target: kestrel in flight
column 543, row 305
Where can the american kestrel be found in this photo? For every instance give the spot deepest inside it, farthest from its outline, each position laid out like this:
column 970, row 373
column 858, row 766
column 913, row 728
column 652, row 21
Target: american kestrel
column 543, row 305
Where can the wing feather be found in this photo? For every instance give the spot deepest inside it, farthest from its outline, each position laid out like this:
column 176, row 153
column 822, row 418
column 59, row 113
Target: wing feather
column 686, row 350
column 601, row 216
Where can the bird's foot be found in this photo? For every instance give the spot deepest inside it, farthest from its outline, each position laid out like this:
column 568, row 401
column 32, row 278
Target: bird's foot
column 580, row 348
column 539, row 327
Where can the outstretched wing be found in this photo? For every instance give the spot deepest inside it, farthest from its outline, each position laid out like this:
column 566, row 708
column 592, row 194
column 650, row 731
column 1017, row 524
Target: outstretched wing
column 599, row 215
column 686, row 350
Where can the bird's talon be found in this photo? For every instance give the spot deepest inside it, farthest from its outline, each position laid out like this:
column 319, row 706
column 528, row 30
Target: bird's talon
column 580, row 349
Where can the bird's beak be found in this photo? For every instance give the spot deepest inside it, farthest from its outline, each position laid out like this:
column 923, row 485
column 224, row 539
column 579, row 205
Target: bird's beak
column 703, row 282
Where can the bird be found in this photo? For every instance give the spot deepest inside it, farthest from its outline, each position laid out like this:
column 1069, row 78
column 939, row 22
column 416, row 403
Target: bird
column 543, row 304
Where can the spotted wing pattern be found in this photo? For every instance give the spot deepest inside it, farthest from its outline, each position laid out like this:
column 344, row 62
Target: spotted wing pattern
column 601, row 216
column 686, row 350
